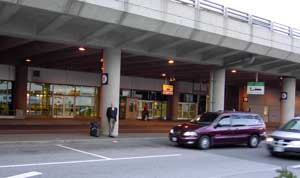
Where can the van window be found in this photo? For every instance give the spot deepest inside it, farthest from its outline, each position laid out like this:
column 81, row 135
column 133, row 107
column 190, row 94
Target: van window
column 245, row 120
column 224, row 121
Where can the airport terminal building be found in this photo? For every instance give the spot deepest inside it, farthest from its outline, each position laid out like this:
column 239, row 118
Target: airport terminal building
column 72, row 59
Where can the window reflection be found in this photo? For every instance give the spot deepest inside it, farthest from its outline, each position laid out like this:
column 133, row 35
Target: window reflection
column 61, row 100
column 6, row 98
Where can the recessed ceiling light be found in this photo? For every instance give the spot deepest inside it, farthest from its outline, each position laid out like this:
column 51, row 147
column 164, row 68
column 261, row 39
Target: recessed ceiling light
column 28, row 60
column 171, row 61
column 163, row 74
column 233, row 71
column 101, row 60
column 81, row 49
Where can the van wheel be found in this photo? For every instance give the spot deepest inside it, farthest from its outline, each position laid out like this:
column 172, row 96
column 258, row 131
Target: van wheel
column 204, row 143
column 253, row 141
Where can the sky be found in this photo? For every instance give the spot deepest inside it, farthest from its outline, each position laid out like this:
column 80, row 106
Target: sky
column 286, row 12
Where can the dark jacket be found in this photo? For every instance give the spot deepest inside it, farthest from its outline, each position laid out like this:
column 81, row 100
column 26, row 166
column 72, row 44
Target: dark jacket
column 111, row 114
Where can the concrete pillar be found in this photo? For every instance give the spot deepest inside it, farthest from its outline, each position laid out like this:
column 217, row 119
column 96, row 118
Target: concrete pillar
column 287, row 107
column 217, row 90
column 110, row 93
column 173, row 100
column 20, row 90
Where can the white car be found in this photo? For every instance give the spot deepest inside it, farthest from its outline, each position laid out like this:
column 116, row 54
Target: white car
column 286, row 139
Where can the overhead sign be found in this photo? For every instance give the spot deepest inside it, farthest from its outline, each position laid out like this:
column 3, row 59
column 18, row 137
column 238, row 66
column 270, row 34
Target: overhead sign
column 104, row 79
column 167, row 89
column 256, row 88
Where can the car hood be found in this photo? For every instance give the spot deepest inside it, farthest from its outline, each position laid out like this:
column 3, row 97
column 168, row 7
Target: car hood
column 285, row 134
column 187, row 127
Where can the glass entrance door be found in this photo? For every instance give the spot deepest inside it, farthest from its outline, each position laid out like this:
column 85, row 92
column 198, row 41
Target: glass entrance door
column 63, row 106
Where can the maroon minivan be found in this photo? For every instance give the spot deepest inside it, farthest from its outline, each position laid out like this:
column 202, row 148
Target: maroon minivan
column 214, row 128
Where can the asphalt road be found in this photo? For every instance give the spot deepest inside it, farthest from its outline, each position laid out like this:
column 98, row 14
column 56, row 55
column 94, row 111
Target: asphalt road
column 136, row 158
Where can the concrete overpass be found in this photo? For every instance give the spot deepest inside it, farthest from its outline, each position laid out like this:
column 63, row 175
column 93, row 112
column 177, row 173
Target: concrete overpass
column 195, row 31
column 191, row 32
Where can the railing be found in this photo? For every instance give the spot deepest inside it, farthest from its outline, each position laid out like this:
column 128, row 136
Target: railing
column 243, row 16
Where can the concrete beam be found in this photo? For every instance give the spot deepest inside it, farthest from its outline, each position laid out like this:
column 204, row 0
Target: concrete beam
column 222, row 56
column 291, row 68
column 168, row 46
column 196, row 51
column 277, row 66
column 99, row 32
column 55, row 24
column 137, row 39
column 7, row 12
column 261, row 63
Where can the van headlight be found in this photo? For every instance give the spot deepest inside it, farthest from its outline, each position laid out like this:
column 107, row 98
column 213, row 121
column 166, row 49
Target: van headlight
column 171, row 131
column 295, row 143
column 190, row 134
column 269, row 139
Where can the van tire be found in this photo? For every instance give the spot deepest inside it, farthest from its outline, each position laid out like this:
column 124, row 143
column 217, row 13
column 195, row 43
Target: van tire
column 204, row 142
column 253, row 141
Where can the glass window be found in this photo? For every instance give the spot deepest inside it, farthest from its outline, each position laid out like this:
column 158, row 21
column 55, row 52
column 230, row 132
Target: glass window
column 85, row 91
column 6, row 98
column 292, row 126
column 125, row 93
column 38, row 99
column 225, row 121
column 64, row 90
column 189, row 98
column 143, row 95
column 245, row 120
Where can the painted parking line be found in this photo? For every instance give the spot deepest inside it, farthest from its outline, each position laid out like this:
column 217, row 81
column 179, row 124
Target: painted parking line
column 84, row 152
column 88, row 161
column 25, row 175
column 296, row 166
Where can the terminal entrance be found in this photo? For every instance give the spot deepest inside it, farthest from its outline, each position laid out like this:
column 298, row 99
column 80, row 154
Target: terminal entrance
column 63, row 106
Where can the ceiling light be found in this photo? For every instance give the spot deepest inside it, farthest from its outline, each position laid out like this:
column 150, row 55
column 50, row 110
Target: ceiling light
column 233, row 71
column 101, row 60
column 163, row 74
column 81, row 49
column 28, row 60
column 171, row 61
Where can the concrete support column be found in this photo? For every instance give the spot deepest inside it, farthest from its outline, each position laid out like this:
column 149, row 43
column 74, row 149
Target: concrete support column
column 20, row 90
column 173, row 100
column 287, row 106
column 217, row 90
column 110, row 93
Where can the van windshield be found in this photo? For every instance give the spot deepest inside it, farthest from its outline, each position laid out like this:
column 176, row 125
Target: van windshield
column 206, row 119
column 291, row 126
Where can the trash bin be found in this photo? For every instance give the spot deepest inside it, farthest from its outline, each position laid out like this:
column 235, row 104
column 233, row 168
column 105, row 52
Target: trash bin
column 94, row 129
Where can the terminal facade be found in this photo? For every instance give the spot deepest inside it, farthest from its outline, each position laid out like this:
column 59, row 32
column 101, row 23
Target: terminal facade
column 53, row 57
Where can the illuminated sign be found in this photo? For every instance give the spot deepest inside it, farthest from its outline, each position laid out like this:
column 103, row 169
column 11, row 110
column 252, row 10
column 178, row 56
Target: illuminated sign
column 167, row 89
column 256, row 88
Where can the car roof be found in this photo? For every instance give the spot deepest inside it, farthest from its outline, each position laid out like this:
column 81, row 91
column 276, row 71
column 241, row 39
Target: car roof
column 234, row 112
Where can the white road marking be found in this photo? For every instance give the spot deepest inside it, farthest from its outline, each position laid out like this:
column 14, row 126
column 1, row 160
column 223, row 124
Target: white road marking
column 25, row 175
column 88, row 161
column 84, row 152
column 295, row 166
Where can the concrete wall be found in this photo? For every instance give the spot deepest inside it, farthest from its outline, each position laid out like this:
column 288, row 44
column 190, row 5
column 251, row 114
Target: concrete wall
column 64, row 77
column 269, row 104
column 7, row 72
column 139, row 83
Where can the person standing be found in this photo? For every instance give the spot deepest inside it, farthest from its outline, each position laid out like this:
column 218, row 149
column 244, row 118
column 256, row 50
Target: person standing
column 145, row 113
column 111, row 114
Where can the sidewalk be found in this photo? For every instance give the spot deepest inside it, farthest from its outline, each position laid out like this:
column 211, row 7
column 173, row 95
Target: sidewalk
column 73, row 137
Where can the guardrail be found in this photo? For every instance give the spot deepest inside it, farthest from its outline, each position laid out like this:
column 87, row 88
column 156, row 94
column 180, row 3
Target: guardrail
column 243, row 16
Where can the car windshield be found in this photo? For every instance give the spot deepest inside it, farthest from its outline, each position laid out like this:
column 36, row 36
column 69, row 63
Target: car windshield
column 291, row 126
column 206, row 119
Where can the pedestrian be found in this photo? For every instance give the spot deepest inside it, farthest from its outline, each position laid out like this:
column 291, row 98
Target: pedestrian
column 145, row 113
column 111, row 114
